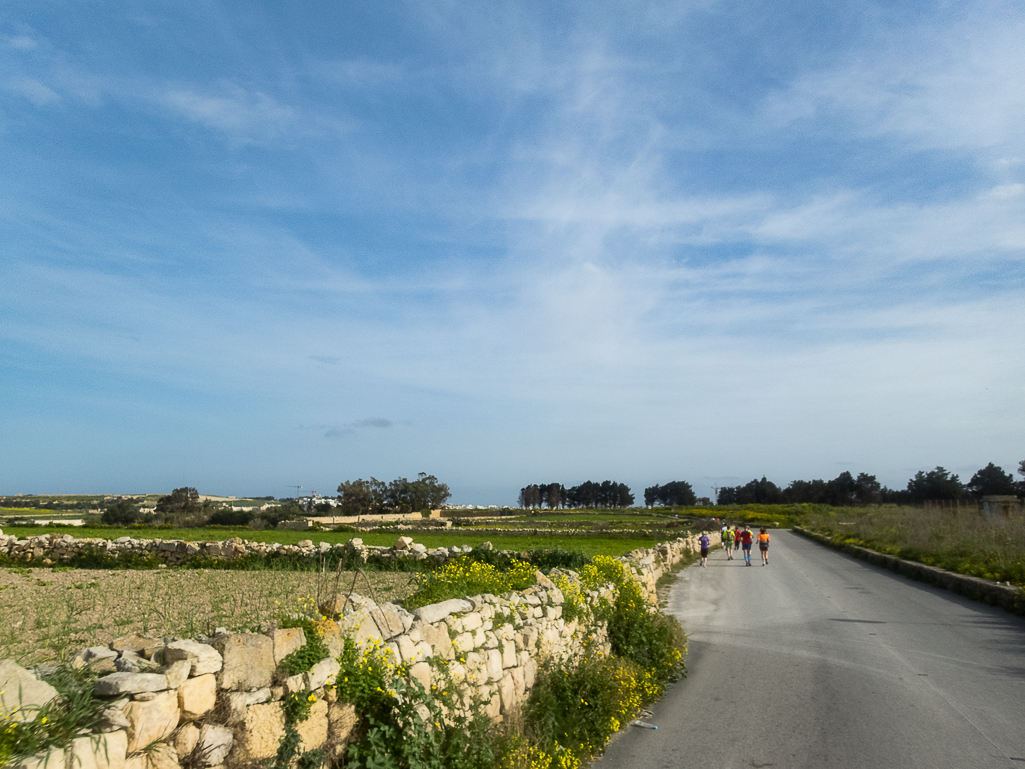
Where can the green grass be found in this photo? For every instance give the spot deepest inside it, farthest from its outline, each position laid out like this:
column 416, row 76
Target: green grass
column 964, row 542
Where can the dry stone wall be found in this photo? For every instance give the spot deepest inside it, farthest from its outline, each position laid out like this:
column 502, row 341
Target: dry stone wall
column 219, row 701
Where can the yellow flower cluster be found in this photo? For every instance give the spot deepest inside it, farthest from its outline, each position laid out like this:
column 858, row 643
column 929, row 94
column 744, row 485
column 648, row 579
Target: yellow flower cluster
column 602, row 569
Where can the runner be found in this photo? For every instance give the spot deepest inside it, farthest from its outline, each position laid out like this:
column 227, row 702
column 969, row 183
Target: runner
column 746, row 538
column 736, row 538
column 727, row 542
column 763, row 545
column 704, row 541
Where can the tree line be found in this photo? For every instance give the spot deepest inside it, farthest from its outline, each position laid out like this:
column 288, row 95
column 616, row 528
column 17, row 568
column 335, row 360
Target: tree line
column 847, row 490
column 607, row 494
column 373, row 497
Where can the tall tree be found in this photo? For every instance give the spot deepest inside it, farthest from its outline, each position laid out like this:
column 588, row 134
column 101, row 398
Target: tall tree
column 991, row 480
column 935, row 484
column 183, row 500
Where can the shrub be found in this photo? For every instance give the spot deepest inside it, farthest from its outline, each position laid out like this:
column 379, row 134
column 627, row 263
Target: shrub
column 652, row 640
column 465, row 576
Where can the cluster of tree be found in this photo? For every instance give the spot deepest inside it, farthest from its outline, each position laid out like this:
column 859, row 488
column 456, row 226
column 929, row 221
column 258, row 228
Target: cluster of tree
column 606, row 494
column 846, row 490
column 672, row 493
column 183, row 508
column 372, row 497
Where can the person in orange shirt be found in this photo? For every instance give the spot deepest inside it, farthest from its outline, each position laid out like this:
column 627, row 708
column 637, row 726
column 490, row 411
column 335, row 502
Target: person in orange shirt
column 763, row 545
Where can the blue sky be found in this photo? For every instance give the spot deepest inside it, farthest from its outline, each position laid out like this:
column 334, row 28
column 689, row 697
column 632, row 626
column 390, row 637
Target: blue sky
column 251, row 245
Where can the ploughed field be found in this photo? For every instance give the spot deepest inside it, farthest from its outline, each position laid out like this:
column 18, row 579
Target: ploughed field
column 47, row 613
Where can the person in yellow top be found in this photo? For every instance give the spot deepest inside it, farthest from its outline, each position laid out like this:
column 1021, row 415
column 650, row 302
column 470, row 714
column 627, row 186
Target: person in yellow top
column 763, row 545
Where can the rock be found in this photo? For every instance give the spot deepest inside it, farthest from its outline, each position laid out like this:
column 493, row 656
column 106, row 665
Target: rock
column 185, row 740
column 98, row 751
column 129, row 683
column 258, row 733
column 341, row 720
column 331, row 635
column 21, row 693
column 99, row 659
column 151, row 721
column 438, row 611
column 135, row 664
column 321, row 673
column 140, row 644
column 286, row 641
column 215, row 743
column 203, row 657
column 163, row 757
column 392, row 620
column 403, row 543
column 248, row 661
column 197, row 696
column 177, row 673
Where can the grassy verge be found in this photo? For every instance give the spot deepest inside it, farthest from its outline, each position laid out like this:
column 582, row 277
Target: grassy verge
column 963, row 542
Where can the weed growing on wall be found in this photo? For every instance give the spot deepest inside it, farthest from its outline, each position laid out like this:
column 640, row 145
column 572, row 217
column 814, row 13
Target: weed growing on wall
column 73, row 712
column 314, row 650
column 465, row 576
column 405, row 725
column 654, row 641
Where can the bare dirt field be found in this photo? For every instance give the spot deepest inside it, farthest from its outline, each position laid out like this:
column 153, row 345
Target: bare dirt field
column 48, row 614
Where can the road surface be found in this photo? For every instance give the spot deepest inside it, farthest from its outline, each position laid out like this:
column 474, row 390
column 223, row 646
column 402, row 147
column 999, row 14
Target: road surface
column 819, row 660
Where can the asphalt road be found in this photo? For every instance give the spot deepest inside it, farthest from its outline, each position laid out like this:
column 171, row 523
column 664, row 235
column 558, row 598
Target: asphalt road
column 820, row 660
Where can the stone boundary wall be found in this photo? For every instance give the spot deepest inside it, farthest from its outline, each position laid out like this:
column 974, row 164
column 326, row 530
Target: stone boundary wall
column 978, row 589
column 219, row 701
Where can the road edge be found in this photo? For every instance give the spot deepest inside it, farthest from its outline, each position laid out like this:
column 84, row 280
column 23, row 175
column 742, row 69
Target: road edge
column 1007, row 597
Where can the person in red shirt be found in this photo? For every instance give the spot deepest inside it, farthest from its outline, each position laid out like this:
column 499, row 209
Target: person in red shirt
column 746, row 538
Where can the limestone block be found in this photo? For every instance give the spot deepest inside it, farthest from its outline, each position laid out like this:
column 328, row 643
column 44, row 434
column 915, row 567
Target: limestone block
column 392, row 620
column 133, row 663
column 437, row 637
column 204, row 658
column 21, row 693
column 151, row 721
column 235, row 704
column 98, row 658
column 248, row 661
column 421, row 672
column 256, row 738
column 341, row 720
column 553, row 612
column 162, row 757
column 508, row 693
column 493, row 707
column 490, row 640
column 406, row 647
column 331, row 635
column 177, row 673
column 54, row 759
column 98, row 751
column 295, row 684
column 464, row 642
column 530, row 673
column 286, row 641
column 472, row 621
column 360, row 626
column 322, row 673
column 214, row 744
column 508, row 651
column 197, row 696
column 423, row 651
column 480, row 638
column 436, row 612
column 116, row 684
column 313, row 730
column 493, row 663
column 185, row 740
column 403, row 543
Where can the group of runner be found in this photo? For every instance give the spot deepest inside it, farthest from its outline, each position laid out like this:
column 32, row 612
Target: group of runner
column 734, row 539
